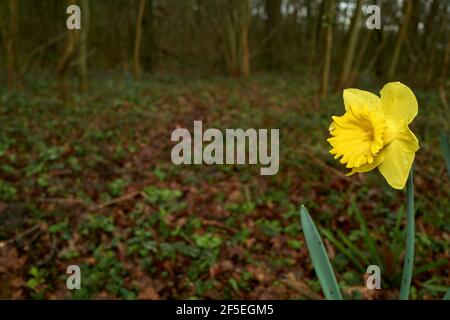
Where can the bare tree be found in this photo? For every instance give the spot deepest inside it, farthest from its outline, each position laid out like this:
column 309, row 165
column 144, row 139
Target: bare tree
column 315, row 26
column 138, row 41
column 9, row 30
column 83, row 55
column 244, row 30
column 329, row 18
column 351, row 46
column 149, row 31
column 273, row 11
column 236, row 26
column 408, row 7
column 66, row 58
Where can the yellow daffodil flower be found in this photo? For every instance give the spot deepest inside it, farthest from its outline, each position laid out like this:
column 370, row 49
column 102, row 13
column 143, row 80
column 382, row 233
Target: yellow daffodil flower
column 374, row 132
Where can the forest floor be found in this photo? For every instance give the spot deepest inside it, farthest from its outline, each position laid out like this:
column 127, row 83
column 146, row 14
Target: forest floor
column 92, row 184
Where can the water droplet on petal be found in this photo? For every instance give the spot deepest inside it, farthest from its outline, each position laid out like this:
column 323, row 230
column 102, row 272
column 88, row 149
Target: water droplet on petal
column 405, row 162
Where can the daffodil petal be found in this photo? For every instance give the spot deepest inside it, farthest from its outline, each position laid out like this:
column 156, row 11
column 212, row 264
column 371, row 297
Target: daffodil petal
column 398, row 102
column 357, row 101
column 368, row 166
column 398, row 159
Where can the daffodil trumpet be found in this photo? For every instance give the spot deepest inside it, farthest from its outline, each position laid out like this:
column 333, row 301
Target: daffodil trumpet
column 374, row 133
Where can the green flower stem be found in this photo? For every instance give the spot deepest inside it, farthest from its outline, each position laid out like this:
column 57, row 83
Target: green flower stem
column 409, row 253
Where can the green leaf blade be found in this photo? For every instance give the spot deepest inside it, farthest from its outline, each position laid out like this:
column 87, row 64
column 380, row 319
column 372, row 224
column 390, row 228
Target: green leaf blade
column 319, row 258
column 447, row 295
column 368, row 239
column 446, row 151
column 329, row 235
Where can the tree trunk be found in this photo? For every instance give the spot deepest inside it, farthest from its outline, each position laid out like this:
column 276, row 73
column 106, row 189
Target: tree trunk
column 69, row 50
column 84, row 45
column 360, row 56
column 9, row 30
column 236, row 30
column 443, row 78
column 433, row 47
column 150, row 49
column 230, row 44
column 415, row 19
column 430, row 23
column 351, row 46
column 400, row 39
column 245, row 50
column 328, row 48
column 273, row 11
column 138, row 40
column 315, row 21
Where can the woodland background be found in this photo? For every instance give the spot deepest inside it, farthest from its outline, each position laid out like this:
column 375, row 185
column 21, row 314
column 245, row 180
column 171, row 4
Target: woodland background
column 85, row 170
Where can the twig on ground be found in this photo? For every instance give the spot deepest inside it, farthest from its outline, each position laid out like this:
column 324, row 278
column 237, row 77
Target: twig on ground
column 116, row 200
column 64, row 201
column 217, row 224
column 20, row 235
column 91, row 207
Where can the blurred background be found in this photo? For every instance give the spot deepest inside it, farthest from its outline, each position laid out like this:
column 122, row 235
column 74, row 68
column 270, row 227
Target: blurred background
column 85, row 171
